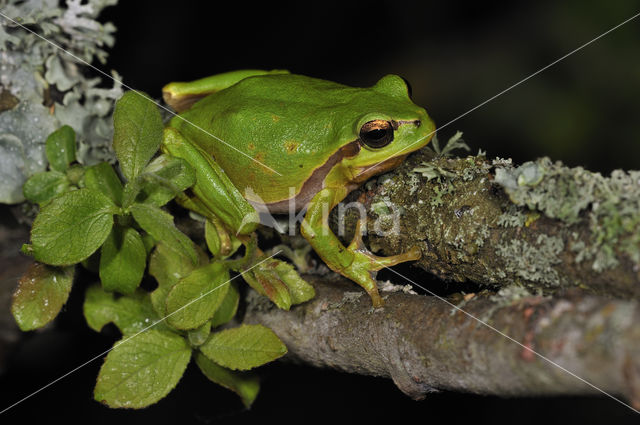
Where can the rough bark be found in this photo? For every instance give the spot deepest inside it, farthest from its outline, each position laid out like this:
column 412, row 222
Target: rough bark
column 541, row 225
column 425, row 344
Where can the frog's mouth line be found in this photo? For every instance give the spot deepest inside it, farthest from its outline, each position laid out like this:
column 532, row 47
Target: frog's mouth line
column 364, row 173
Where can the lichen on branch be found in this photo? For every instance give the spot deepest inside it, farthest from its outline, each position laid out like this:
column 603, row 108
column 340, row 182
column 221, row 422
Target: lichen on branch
column 541, row 225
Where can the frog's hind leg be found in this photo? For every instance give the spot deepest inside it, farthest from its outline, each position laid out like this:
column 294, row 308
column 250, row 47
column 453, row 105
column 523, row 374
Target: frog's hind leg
column 355, row 262
column 182, row 95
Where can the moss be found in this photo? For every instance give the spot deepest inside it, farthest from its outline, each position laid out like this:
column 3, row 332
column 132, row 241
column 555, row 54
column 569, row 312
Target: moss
column 380, row 208
column 532, row 217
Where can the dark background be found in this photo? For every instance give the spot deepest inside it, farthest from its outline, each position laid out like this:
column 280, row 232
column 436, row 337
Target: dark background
column 583, row 111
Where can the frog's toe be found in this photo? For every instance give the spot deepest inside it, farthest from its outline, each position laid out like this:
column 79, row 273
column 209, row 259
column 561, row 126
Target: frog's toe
column 377, row 263
column 357, row 244
column 365, row 264
column 370, row 285
column 414, row 253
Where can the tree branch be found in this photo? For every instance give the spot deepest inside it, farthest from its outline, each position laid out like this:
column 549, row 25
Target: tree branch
column 541, row 225
column 425, row 344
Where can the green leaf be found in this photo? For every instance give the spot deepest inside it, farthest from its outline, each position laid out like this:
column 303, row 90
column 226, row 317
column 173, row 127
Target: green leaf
column 168, row 267
column 212, row 238
column 75, row 174
column 72, row 227
column 265, row 281
column 131, row 190
column 195, row 298
column 92, row 263
column 245, row 384
column 122, row 260
column 137, row 132
column 131, row 313
column 299, row 289
column 228, row 307
column 163, row 179
column 42, row 187
column 199, row 336
column 141, row 370
column 60, row 148
column 103, row 178
column 243, row 348
column 149, row 242
column 41, row 293
column 159, row 224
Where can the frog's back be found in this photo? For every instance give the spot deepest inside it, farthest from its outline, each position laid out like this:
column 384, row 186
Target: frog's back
column 272, row 129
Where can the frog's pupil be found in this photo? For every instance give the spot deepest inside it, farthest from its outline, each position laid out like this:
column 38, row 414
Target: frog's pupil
column 376, row 134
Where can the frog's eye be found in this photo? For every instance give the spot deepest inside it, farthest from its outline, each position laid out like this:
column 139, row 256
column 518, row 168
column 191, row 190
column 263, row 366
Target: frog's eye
column 376, row 133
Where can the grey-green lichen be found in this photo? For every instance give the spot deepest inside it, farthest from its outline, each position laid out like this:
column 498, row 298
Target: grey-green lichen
column 455, row 142
column 512, row 217
column 610, row 205
column 533, row 262
column 45, row 87
column 510, row 294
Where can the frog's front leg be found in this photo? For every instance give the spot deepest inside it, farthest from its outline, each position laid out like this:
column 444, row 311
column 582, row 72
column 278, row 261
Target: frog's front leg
column 355, row 261
column 215, row 196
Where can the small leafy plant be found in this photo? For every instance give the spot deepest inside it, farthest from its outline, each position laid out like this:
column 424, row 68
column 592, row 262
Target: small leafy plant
column 112, row 218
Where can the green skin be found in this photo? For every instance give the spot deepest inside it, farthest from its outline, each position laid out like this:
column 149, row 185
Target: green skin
column 279, row 138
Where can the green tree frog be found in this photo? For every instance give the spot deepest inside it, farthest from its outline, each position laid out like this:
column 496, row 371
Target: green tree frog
column 280, row 139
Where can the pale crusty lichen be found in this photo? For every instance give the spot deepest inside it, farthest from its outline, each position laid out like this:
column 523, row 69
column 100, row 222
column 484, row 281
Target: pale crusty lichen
column 510, row 294
column 44, row 87
column 610, row 205
column 512, row 217
column 533, row 262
